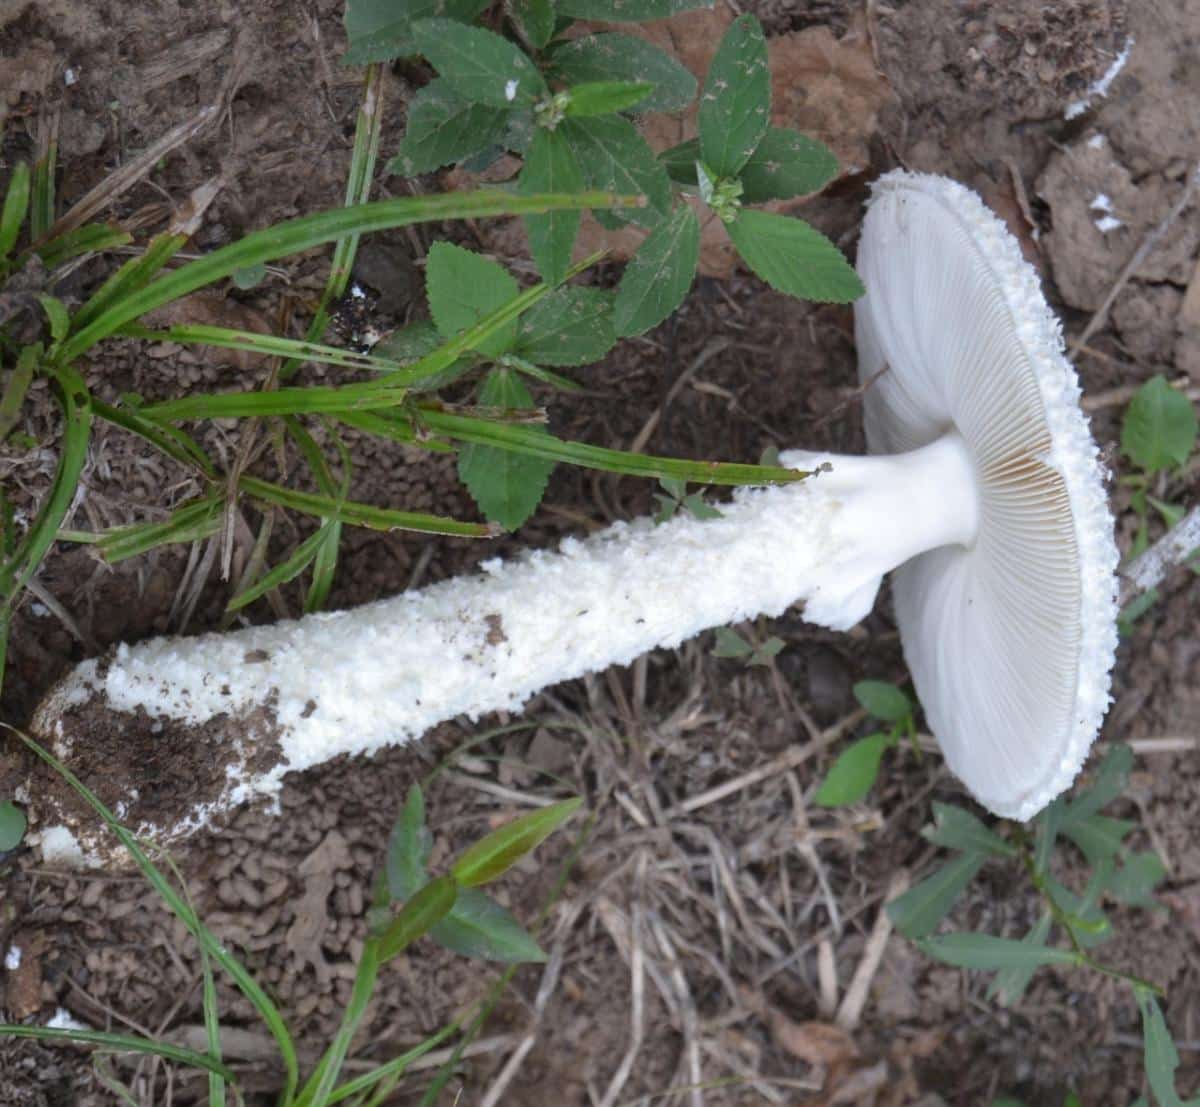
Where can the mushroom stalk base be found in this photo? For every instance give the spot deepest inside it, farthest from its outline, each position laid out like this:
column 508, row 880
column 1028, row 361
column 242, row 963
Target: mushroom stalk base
column 354, row 681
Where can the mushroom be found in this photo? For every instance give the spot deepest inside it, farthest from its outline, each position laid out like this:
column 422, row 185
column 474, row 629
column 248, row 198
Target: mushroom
column 983, row 490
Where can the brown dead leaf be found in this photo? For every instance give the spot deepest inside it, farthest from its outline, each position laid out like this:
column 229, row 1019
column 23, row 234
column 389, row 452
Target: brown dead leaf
column 212, row 308
column 312, row 919
column 816, row 1043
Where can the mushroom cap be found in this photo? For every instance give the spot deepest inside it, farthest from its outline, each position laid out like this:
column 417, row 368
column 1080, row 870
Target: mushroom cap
column 1010, row 641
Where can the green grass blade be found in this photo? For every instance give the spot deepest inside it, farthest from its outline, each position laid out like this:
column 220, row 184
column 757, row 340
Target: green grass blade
column 526, row 440
column 363, row 156
column 16, row 571
column 16, row 388
column 387, row 425
column 91, row 238
column 120, row 1043
column 296, row 235
column 393, row 1068
column 16, row 204
column 41, row 211
column 324, row 567
column 287, row 570
column 282, row 401
column 360, row 514
column 190, row 523
column 131, row 277
column 209, row 941
column 170, row 440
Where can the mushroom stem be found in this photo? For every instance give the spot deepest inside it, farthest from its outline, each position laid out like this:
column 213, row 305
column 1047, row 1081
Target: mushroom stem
column 353, row 681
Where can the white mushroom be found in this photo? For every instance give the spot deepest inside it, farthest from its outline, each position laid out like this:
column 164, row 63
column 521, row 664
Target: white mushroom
column 984, row 489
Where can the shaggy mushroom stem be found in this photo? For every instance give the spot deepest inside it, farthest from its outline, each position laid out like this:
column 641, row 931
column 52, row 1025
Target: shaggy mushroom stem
column 354, row 681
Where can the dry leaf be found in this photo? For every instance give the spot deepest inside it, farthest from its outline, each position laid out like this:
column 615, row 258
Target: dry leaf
column 23, row 984
column 816, row 1043
column 312, row 918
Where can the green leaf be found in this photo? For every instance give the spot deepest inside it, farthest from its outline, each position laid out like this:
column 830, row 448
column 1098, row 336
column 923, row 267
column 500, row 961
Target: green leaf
column 656, row 281
column 573, row 326
column 535, row 18
column 462, row 288
column 1160, row 1056
column 506, row 486
column 550, row 166
column 955, row 828
column 410, row 343
column 1092, row 927
column 1160, row 426
column 1048, row 820
column 730, row 644
column 612, row 55
column 680, row 162
column 984, row 951
column 1134, row 882
column 408, row 848
column 443, row 128
column 786, row 164
column 627, row 11
column 735, row 104
column 480, row 66
column 610, row 148
column 1009, row 984
column 701, row 510
column 16, row 204
column 56, row 314
column 853, row 773
column 883, row 701
column 1006, row 1101
column 418, row 916
column 920, row 909
column 792, row 257
column 606, row 97
column 250, row 277
column 379, row 30
column 12, row 825
column 477, row 926
column 500, row 850
column 1098, row 836
column 1109, row 783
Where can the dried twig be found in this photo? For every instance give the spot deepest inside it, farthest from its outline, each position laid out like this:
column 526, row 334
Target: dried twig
column 1172, row 549
column 856, row 995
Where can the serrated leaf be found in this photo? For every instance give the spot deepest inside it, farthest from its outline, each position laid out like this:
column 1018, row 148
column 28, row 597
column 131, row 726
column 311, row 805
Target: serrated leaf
column 480, row 66
column 920, row 909
column 418, row 916
column 613, row 156
column 379, row 30
column 728, row 643
column 572, row 326
column 477, row 926
column 786, row 164
column 606, row 97
column 12, row 825
column 793, row 257
column 615, row 56
column 462, row 288
column 410, row 343
column 507, row 486
column 657, row 279
column 1134, row 882
column 735, row 103
column 853, row 773
column 987, row 952
column 883, row 701
column 1098, row 836
column 1160, row 426
column 955, row 828
column 443, row 129
column 500, row 850
column 1010, row 984
column 1109, row 783
column 627, row 11
column 535, row 18
column 550, row 166
column 409, row 844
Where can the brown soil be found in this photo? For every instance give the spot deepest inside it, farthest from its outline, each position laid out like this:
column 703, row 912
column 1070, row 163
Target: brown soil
column 730, row 907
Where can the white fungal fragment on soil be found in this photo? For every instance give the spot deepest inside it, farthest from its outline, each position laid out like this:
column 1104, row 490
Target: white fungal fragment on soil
column 62, row 1019
column 12, row 959
column 1099, row 88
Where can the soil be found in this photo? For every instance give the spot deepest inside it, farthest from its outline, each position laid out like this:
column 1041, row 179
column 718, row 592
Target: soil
column 732, row 908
